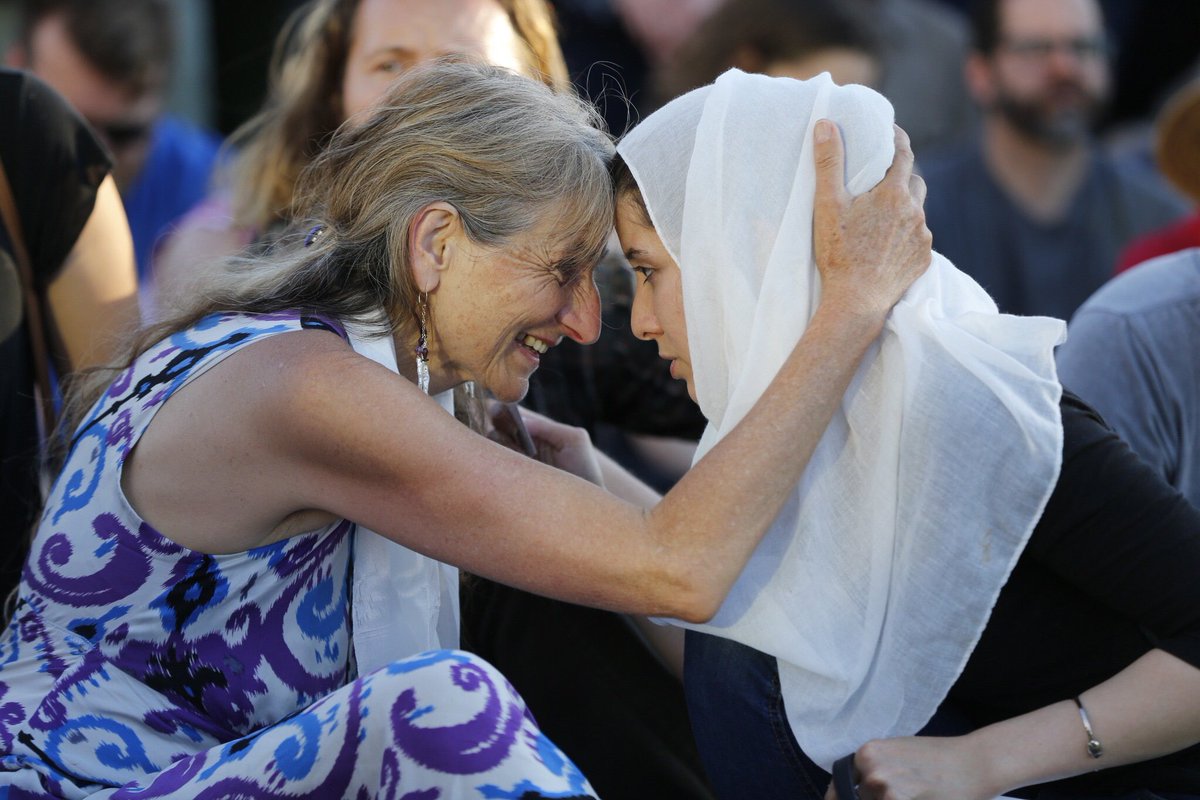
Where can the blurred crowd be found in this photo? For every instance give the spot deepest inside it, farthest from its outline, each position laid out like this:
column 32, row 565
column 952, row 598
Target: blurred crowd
column 1008, row 123
column 1059, row 140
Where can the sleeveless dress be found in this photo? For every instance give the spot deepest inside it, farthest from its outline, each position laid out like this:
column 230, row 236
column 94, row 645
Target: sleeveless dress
column 134, row 667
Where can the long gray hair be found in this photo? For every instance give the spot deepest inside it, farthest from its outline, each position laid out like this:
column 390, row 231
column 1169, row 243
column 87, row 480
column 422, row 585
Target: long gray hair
column 505, row 151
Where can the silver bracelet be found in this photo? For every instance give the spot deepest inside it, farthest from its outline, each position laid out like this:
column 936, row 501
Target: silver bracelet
column 1094, row 748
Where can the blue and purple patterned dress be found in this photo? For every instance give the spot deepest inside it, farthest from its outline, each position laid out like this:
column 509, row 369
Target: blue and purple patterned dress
column 134, row 667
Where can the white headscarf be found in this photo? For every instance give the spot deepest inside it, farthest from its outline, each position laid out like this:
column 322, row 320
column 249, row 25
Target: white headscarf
column 876, row 580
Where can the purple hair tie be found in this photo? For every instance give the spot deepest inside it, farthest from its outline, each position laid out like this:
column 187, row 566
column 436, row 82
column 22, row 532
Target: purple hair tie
column 314, row 233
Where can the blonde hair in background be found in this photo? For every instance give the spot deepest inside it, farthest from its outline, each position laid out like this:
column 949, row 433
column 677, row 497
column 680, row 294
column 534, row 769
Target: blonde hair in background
column 304, row 103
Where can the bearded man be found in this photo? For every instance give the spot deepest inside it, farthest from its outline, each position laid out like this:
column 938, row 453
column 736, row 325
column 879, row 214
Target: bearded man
column 1032, row 209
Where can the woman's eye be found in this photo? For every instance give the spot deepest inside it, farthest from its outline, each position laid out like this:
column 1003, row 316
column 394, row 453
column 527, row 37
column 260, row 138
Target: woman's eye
column 645, row 272
column 572, row 274
column 389, row 67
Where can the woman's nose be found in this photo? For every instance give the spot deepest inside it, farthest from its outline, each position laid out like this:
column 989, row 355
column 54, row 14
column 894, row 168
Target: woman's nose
column 581, row 317
column 641, row 315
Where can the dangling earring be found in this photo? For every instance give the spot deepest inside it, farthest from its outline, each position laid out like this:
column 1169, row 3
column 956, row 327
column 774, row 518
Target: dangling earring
column 422, row 348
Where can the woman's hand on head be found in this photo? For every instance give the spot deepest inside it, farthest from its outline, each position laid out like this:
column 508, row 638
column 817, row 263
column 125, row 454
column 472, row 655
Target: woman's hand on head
column 918, row 768
column 869, row 249
column 563, row 446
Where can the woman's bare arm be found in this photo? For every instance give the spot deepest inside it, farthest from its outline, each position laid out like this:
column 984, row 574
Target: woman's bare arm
column 93, row 300
column 1149, row 709
column 317, row 428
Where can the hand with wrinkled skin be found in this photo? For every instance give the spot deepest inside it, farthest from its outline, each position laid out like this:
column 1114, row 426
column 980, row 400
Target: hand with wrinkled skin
column 869, row 249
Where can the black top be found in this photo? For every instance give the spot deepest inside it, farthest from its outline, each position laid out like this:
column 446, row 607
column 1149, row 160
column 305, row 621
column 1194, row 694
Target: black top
column 54, row 165
column 1111, row 571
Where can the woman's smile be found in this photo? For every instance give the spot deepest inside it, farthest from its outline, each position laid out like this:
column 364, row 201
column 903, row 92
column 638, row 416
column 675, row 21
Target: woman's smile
column 539, row 346
column 508, row 297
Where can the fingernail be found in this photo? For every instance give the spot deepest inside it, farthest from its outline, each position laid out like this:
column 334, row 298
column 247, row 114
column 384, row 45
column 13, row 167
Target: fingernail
column 821, row 131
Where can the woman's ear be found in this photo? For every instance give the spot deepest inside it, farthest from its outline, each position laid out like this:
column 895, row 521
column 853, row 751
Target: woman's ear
column 431, row 243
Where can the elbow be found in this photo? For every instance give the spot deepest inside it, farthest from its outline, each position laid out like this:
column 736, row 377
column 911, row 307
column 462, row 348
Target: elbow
column 687, row 581
column 699, row 613
column 691, row 599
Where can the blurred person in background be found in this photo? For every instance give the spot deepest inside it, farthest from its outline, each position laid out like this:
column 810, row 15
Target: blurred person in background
column 1177, row 153
column 778, row 38
column 612, row 46
column 1134, row 354
column 1032, row 209
column 593, row 685
column 661, row 26
column 1134, row 346
column 111, row 60
column 333, row 60
column 923, row 47
column 75, row 241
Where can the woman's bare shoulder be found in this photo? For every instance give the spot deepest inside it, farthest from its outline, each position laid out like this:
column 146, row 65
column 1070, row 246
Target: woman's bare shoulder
column 216, row 470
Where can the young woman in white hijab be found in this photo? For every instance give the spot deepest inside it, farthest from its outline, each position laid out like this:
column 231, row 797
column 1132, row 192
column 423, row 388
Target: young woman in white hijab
column 969, row 551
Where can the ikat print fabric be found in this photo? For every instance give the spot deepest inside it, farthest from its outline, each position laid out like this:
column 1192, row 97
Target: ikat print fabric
column 134, row 667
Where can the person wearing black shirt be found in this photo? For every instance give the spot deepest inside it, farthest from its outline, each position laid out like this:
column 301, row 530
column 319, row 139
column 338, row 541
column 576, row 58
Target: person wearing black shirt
column 1108, row 575
column 80, row 257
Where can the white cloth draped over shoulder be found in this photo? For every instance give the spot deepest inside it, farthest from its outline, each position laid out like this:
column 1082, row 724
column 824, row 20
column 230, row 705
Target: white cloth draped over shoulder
column 403, row 603
column 876, row 580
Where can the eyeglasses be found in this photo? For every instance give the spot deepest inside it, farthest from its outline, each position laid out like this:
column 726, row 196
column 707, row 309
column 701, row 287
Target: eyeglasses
column 1083, row 48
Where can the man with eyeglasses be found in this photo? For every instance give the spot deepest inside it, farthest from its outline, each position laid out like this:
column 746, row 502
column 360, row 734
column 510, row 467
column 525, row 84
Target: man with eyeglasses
column 1033, row 209
column 111, row 59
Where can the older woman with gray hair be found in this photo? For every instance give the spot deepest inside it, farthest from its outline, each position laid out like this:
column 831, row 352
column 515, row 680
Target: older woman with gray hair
column 245, row 575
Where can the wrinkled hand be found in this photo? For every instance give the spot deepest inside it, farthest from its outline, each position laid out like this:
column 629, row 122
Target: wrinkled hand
column 563, row 446
column 918, row 768
column 869, row 249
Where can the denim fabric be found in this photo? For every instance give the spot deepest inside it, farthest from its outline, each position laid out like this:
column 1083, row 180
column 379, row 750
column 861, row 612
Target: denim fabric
column 740, row 726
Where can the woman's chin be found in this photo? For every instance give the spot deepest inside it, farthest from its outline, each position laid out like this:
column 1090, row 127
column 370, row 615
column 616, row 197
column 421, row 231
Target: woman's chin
column 512, row 390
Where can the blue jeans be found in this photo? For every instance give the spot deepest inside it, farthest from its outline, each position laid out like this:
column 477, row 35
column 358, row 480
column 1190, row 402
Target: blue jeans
column 745, row 742
column 740, row 726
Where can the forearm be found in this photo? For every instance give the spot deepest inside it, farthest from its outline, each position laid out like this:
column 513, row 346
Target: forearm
column 1149, row 709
